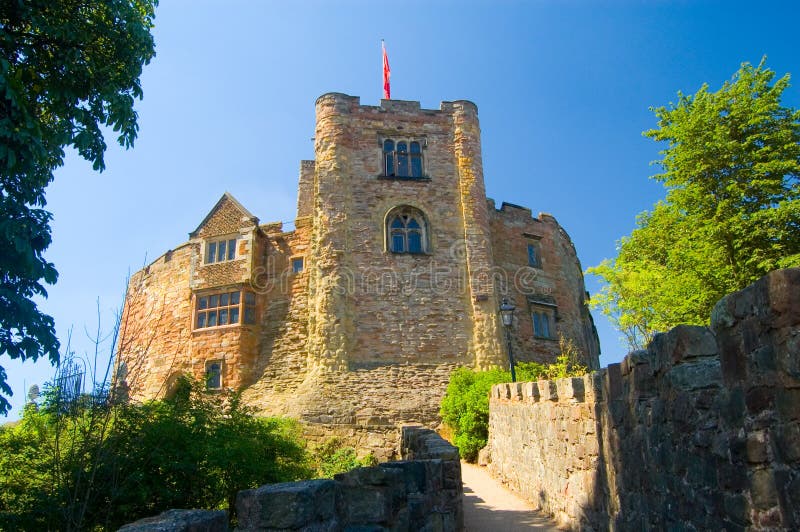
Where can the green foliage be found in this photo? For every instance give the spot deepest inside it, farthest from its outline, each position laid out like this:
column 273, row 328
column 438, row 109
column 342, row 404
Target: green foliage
column 332, row 457
column 100, row 466
column 465, row 408
column 465, row 405
column 67, row 68
column 731, row 212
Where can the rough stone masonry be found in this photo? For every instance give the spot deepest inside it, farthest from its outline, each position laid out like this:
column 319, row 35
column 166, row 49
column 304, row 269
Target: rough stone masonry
column 391, row 277
column 699, row 432
column 423, row 492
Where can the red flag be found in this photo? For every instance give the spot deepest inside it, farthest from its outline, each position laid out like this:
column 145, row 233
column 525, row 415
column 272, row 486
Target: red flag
column 387, row 93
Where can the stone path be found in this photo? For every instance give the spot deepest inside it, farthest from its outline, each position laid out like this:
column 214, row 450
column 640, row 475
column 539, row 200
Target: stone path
column 489, row 507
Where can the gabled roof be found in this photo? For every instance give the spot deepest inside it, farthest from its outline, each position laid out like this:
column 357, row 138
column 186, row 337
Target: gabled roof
column 229, row 197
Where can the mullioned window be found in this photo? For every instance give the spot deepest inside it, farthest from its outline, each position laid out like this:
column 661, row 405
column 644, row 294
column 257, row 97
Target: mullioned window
column 402, row 158
column 225, row 308
column 220, row 250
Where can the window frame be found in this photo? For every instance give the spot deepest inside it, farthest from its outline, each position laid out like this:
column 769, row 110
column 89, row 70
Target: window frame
column 537, row 254
column 548, row 311
column 245, row 308
column 209, row 365
column 413, row 155
column 293, row 263
column 231, row 253
column 391, row 231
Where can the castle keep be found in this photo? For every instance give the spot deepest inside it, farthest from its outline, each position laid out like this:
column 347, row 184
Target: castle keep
column 391, row 278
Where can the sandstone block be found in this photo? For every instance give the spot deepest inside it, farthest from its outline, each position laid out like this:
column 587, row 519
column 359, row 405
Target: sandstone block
column 757, row 448
column 788, row 403
column 705, row 373
column 548, row 390
column 571, row 388
column 762, row 489
column 181, row 521
column 681, row 343
column 287, row 505
column 788, row 442
column 516, row 391
column 784, row 296
column 612, row 383
column 530, row 391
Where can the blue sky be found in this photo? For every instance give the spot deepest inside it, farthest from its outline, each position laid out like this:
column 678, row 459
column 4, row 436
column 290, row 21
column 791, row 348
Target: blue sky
column 563, row 90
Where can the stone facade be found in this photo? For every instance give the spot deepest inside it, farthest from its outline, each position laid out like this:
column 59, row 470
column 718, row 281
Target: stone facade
column 699, row 432
column 355, row 324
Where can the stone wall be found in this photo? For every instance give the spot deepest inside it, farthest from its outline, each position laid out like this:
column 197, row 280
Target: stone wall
column 700, row 431
column 421, row 493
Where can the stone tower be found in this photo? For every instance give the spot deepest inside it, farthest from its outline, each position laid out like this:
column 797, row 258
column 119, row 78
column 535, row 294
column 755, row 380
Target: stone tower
column 390, row 279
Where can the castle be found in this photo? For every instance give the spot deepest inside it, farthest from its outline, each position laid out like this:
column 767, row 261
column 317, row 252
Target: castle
column 391, row 278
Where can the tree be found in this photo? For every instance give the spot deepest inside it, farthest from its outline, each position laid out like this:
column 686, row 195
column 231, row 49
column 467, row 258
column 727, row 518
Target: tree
column 731, row 212
column 67, row 68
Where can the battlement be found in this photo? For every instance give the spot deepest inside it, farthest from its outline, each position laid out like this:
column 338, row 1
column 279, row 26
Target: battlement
column 344, row 103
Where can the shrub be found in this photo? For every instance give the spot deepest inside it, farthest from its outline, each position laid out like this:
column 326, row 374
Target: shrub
column 98, row 466
column 332, row 457
column 465, row 405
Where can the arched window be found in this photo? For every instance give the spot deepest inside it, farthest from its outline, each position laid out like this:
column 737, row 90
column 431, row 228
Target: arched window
column 406, row 231
column 402, row 158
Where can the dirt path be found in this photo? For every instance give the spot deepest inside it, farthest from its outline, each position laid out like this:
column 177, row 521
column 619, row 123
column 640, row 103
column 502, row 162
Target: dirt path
column 489, row 507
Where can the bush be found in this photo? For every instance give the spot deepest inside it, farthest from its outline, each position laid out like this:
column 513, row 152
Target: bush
column 465, row 405
column 332, row 457
column 99, row 466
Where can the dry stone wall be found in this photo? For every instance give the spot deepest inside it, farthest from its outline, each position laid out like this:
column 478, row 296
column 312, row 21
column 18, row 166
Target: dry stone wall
column 700, row 431
column 423, row 492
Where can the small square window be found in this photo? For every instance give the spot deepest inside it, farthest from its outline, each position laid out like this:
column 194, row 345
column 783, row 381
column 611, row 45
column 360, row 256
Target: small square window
column 544, row 322
column 297, row 265
column 534, row 259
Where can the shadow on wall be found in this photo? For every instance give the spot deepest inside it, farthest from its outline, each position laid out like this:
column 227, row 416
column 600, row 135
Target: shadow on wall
column 701, row 430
